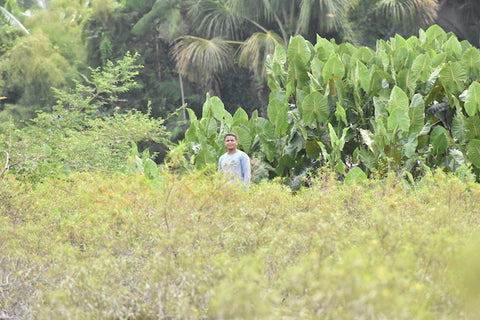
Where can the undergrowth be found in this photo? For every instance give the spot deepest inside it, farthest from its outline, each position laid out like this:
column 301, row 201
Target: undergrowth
column 195, row 247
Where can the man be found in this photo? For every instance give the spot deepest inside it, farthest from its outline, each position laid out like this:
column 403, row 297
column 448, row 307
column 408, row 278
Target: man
column 235, row 163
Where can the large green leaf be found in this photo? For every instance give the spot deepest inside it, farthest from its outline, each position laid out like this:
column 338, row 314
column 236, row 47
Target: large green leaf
column 355, row 175
column 472, row 127
column 363, row 54
column 459, row 128
column 407, row 80
column 323, row 48
column 473, row 152
column 453, row 77
column 245, row 138
column 472, row 102
column 315, row 108
column 218, row 108
column 453, row 47
column 471, row 62
column 361, row 76
column 240, row 117
column 439, row 139
column 422, row 67
column 416, row 112
column 298, row 50
column 398, row 110
column 277, row 111
column 313, row 149
column 333, row 68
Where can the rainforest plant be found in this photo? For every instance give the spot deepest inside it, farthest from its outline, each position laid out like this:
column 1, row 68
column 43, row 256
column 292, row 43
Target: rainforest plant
column 410, row 104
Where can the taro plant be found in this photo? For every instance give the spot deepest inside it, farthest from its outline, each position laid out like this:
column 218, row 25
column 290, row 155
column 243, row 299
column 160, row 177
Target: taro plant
column 409, row 104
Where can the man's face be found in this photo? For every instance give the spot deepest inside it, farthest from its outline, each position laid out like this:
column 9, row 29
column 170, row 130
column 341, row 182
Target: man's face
column 231, row 143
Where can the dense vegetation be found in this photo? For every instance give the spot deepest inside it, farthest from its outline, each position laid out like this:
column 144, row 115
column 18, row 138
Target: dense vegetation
column 195, row 247
column 365, row 160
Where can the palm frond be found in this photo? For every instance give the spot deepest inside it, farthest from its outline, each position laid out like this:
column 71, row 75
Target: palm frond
column 253, row 52
column 200, row 59
column 12, row 20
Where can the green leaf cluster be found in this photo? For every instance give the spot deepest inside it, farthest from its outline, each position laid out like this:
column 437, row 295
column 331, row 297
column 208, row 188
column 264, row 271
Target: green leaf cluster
column 408, row 105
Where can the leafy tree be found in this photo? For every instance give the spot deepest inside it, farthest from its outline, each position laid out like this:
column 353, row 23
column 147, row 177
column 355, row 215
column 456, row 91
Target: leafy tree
column 79, row 135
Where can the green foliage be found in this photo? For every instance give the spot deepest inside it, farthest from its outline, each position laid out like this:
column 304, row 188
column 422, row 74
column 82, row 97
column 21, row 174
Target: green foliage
column 411, row 103
column 80, row 135
column 105, row 246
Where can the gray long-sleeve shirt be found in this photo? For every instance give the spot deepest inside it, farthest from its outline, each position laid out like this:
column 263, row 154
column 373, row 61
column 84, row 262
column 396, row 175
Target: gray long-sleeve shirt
column 236, row 165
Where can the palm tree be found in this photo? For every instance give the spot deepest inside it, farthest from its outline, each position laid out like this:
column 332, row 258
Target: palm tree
column 251, row 29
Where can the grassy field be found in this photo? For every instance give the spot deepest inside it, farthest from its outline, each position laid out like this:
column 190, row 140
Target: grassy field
column 195, row 247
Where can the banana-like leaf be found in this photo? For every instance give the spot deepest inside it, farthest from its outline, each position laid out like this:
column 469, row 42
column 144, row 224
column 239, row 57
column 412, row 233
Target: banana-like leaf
column 315, row 108
column 472, row 102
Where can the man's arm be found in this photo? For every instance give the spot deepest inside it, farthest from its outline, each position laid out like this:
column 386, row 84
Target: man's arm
column 247, row 175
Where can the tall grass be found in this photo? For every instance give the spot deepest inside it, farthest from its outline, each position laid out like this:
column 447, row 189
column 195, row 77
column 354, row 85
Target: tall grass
column 195, row 247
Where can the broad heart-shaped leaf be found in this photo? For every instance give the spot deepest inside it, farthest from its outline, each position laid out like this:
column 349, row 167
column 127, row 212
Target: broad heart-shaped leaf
column 472, row 127
column 317, row 68
column 471, row 62
column 245, row 138
column 363, row 54
column 333, row 68
column 361, row 76
column 315, row 108
column 340, row 114
column 398, row 110
column 278, row 114
column 473, row 152
column 416, row 112
column 208, row 128
column 240, row 117
column 217, row 107
column 422, row 67
column 453, row 47
column 323, row 48
column 459, row 128
column 313, row 149
column 298, row 50
column 297, row 76
column 407, row 80
column 453, row 77
column 205, row 156
column 266, row 136
column 439, row 139
column 472, row 103
column 355, row 175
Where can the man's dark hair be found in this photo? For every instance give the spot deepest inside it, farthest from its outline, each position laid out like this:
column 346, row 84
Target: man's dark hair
column 231, row 135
